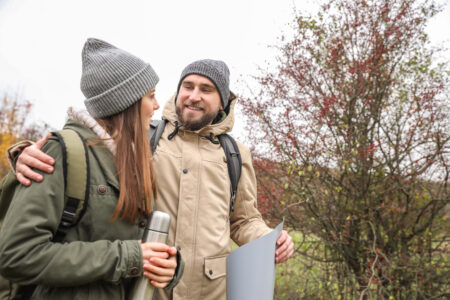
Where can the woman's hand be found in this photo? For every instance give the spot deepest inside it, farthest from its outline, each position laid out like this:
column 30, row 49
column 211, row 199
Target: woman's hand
column 159, row 263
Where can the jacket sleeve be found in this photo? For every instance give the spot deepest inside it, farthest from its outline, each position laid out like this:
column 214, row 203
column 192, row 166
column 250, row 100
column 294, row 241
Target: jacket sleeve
column 27, row 254
column 178, row 272
column 246, row 220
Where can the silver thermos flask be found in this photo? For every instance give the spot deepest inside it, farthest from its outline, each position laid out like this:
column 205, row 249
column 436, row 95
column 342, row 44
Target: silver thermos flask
column 157, row 230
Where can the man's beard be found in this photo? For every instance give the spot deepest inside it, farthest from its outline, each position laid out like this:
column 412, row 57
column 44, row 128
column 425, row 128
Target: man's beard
column 195, row 125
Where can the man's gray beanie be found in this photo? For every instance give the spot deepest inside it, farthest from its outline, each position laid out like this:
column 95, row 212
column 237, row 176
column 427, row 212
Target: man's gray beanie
column 112, row 79
column 216, row 70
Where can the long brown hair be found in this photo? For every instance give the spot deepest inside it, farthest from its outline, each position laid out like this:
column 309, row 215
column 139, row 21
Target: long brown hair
column 133, row 161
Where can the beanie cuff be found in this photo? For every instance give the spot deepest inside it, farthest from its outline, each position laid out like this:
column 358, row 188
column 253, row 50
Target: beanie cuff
column 122, row 96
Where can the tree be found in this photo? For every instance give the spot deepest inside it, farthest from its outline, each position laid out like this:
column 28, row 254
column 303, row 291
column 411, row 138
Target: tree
column 15, row 125
column 354, row 119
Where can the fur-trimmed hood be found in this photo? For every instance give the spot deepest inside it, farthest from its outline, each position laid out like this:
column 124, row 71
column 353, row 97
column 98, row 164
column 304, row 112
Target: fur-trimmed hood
column 82, row 116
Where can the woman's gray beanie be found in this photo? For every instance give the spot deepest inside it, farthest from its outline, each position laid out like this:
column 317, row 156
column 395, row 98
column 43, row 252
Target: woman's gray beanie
column 216, row 70
column 112, row 79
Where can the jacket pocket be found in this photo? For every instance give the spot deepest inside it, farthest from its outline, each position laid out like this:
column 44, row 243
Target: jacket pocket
column 216, row 267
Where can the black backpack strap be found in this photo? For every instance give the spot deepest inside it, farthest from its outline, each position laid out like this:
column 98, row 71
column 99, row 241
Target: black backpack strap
column 155, row 132
column 24, row 292
column 234, row 163
column 76, row 179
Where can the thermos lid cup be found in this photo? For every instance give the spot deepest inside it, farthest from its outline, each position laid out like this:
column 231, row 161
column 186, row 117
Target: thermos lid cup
column 159, row 221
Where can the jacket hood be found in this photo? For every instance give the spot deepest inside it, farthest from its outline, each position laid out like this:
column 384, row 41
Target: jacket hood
column 82, row 122
column 223, row 126
column 82, row 116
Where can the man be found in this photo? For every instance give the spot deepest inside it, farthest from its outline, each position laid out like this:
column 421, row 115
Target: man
column 193, row 182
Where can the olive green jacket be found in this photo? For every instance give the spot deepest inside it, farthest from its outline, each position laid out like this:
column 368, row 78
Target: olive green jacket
column 98, row 259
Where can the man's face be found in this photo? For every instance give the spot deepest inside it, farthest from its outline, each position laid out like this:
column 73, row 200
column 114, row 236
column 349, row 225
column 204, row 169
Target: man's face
column 198, row 102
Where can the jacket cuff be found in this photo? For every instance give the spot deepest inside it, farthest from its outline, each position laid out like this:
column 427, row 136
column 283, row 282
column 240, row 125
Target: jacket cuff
column 134, row 259
column 178, row 271
column 15, row 150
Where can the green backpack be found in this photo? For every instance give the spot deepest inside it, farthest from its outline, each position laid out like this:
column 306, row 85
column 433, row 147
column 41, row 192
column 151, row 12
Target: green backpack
column 76, row 182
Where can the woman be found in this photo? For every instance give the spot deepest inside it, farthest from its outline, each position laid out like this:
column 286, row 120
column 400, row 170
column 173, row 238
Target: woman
column 101, row 255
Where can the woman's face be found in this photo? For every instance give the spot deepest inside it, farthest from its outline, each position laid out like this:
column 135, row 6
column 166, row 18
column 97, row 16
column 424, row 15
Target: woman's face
column 148, row 106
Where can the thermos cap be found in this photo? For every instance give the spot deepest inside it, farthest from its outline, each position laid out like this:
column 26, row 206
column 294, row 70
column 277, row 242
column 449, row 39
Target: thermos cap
column 159, row 221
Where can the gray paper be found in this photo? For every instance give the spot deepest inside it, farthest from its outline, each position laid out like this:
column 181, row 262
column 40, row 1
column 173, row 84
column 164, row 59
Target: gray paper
column 251, row 269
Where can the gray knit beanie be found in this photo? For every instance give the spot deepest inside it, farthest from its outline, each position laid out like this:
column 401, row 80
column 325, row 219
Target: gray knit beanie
column 216, row 70
column 112, row 79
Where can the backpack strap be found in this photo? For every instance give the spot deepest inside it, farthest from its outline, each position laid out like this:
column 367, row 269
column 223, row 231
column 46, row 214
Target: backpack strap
column 234, row 163
column 155, row 132
column 76, row 194
column 76, row 179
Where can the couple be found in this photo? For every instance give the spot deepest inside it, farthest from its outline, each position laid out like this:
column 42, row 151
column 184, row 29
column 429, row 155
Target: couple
column 187, row 177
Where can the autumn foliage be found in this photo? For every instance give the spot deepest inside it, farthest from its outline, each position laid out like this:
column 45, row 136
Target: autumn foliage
column 15, row 125
column 353, row 131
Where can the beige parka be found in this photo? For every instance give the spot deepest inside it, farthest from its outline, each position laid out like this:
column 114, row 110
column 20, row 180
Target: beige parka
column 194, row 188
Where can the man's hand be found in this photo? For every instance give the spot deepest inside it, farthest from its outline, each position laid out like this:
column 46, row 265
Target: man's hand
column 33, row 157
column 159, row 263
column 285, row 247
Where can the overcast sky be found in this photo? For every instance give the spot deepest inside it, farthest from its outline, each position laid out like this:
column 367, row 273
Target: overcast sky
column 41, row 41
